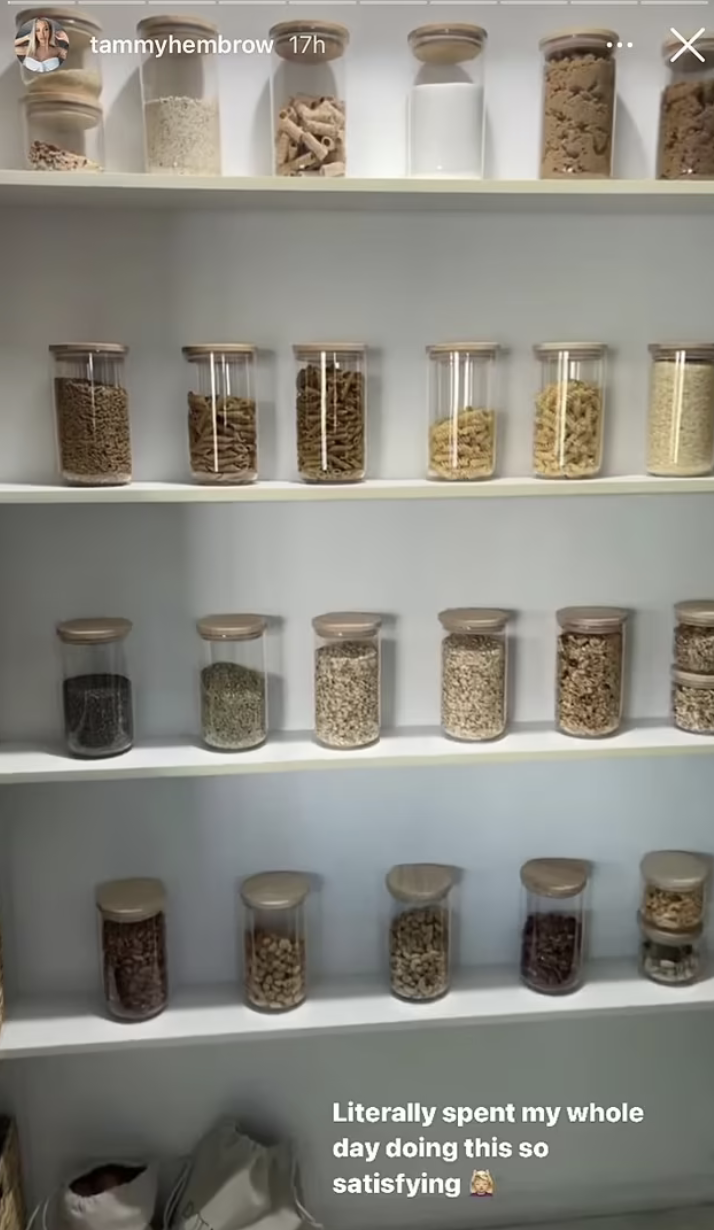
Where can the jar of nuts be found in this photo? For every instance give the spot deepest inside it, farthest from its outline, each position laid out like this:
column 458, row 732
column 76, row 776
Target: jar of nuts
column 474, row 661
column 569, row 410
column 234, row 682
column 420, row 929
column 590, row 670
column 132, row 920
column 347, row 679
column 274, row 939
column 96, row 690
column 463, row 398
column 331, row 407
column 693, row 702
column 553, row 933
column 92, row 413
column 694, row 636
column 222, row 415
column 578, row 104
column 672, row 960
column 675, row 890
column 308, row 98
column 680, row 420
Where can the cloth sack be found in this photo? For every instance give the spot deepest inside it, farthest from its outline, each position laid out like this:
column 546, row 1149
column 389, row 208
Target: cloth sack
column 120, row 1199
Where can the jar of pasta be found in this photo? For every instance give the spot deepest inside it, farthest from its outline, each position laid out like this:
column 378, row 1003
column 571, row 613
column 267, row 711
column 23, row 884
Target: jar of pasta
column 463, row 399
column 331, row 408
column 308, row 98
column 222, row 413
column 569, row 410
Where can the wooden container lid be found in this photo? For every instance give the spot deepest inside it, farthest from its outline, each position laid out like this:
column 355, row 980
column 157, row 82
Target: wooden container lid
column 232, row 627
column 450, row 43
column 93, row 631
column 131, row 900
column 473, row 619
column 275, row 890
column 420, row 882
column 591, row 618
column 555, row 877
column 676, row 870
column 347, row 625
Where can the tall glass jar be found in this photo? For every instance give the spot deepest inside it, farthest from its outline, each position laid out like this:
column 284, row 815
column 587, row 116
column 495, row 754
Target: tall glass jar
column 347, row 679
column 446, row 116
column 590, row 680
column 331, row 408
column 553, row 934
column 274, row 940
column 179, row 87
column 92, row 414
column 570, row 410
column 96, row 691
column 671, row 960
column 307, row 96
column 234, row 682
column 694, row 636
column 132, row 924
column 222, row 413
column 63, row 132
column 680, row 424
column 420, row 930
column 474, row 669
column 463, row 401
column 686, row 131
column 81, row 71
column 578, row 104
column 675, row 890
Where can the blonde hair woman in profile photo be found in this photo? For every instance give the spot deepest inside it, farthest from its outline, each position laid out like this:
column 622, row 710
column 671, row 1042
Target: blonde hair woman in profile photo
column 41, row 49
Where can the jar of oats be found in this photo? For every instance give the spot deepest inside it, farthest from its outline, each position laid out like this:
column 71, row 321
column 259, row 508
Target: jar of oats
column 463, row 398
column 569, row 410
column 693, row 702
column 680, row 422
column 347, row 679
column 694, row 636
column 419, row 932
column 590, row 670
column 474, row 659
column 675, row 890
column 274, row 968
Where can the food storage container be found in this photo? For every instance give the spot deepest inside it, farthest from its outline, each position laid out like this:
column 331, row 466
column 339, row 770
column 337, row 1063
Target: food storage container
column 331, row 407
column 694, row 636
column 96, row 691
column 680, row 421
column 80, row 72
column 307, row 98
column 179, row 88
column 578, row 128
column 675, row 890
column 63, row 131
column 132, row 922
column 590, row 672
column 569, row 410
column 552, row 939
column 420, row 929
column 234, row 682
column 92, row 414
column 13, row 1211
column 672, row 960
column 222, row 413
column 463, row 403
column 474, row 668
column 446, row 115
column 347, row 679
column 274, row 940
column 686, row 132
column 693, row 702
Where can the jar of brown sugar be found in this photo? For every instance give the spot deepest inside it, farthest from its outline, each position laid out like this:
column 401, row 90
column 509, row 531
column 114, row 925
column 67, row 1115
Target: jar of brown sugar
column 686, row 122
column 675, row 889
column 578, row 104
column 132, row 919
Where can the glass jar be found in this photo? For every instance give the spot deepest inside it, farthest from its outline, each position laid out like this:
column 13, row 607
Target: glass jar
column 96, row 692
column 680, row 422
column 92, row 414
column 671, row 960
column 463, row 397
column 179, row 89
column 675, row 890
column 553, row 935
column 63, row 132
column 234, row 683
column 419, row 931
column 694, row 636
column 693, row 702
column 222, row 413
column 81, row 72
column 569, row 410
column 686, row 130
column 446, row 116
column 347, row 679
column 331, row 408
column 590, row 670
column 275, row 967
column 132, row 922
column 578, row 104
column 307, row 98
column 474, row 662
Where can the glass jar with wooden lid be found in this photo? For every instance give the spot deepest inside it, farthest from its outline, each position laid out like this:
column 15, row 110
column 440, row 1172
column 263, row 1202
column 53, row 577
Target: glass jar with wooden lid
column 463, row 389
column 694, row 636
column 309, row 130
column 474, row 673
column 579, row 93
column 553, row 932
column 179, row 88
column 222, row 413
column 97, row 698
column 331, row 411
column 75, row 33
column 420, row 930
column 569, row 425
column 132, row 921
column 590, row 670
column 680, row 419
column 686, row 132
column 274, row 940
column 234, row 682
column 675, row 890
column 92, row 413
column 446, row 115
column 63, row 131
column 347, row 679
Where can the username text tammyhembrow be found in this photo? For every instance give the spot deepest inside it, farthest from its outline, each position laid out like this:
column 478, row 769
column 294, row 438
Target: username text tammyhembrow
column 172, row 45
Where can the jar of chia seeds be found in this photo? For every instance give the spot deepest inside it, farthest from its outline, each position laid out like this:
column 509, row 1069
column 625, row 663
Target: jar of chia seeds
column 96, row 689
column 419, row 932
column 347, row 679
column 552, row 938
column 132, row 923
column 234, row 682
column 274, row 940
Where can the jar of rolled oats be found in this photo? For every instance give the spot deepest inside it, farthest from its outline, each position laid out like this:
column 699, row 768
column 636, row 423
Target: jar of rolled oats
column 675, row 890
column 590, row 670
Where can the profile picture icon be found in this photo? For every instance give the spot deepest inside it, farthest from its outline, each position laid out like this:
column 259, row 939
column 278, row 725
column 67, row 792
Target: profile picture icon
column 41, row 45
column 482, row 1183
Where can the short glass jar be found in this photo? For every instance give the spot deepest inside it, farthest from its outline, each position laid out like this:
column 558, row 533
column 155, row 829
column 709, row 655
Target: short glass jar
column 693, row 702
column 179, row 89
column 420, row 930
column 234, row 683
column 63, row 132
column 675, row 890
column 347, row 679
column 132, row 922
column 694, row 636
column 686, row 131
column 578, row 104
column 446, row 115
column 569, row 410
column 331, row 408
column 274, row 939
column 463, row 401
column 553, row 934
column 680, row 421
column 96, row 691
column 474, row 673
column 81, row 72
column 671, row 960
column 590, row 675
column 92, row 414
column 222, row 413
column 307, row 95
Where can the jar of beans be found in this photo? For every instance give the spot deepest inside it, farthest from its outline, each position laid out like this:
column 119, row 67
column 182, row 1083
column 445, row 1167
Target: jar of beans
column 419, row 931
column 347, row 679
column 222, row 415
column 234, row 683
column 590, row 670
column 308, row 99
column 274, row 939
column 693, row 702
column 671, row 959
column 569, row 410
column 92, row 410
column 463, row 399
column 474, row 662
column 552, row 938
column 96, row 690
column 331, row 407
column 694, row 636
column 680, row 419
column 578, row 104
column 675, row 890
column 132, row 920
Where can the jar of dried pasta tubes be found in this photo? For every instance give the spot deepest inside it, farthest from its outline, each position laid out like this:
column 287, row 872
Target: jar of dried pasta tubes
column 132, row 920
column 463, row 398
column 275, row 964
column 308, row 99
column 590, row 670
column 553, row 931
column 569, row 410
column 675, row 890
column 474, row 659
column 92, row 414
column 347, row 679
column 222, row 413
column 331, row 407
column 179, row 88
column 420, row 930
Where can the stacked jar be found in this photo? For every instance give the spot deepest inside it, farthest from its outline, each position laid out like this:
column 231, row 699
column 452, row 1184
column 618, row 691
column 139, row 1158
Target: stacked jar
column 693, row 670
column 420, row 929
column 673, row 911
